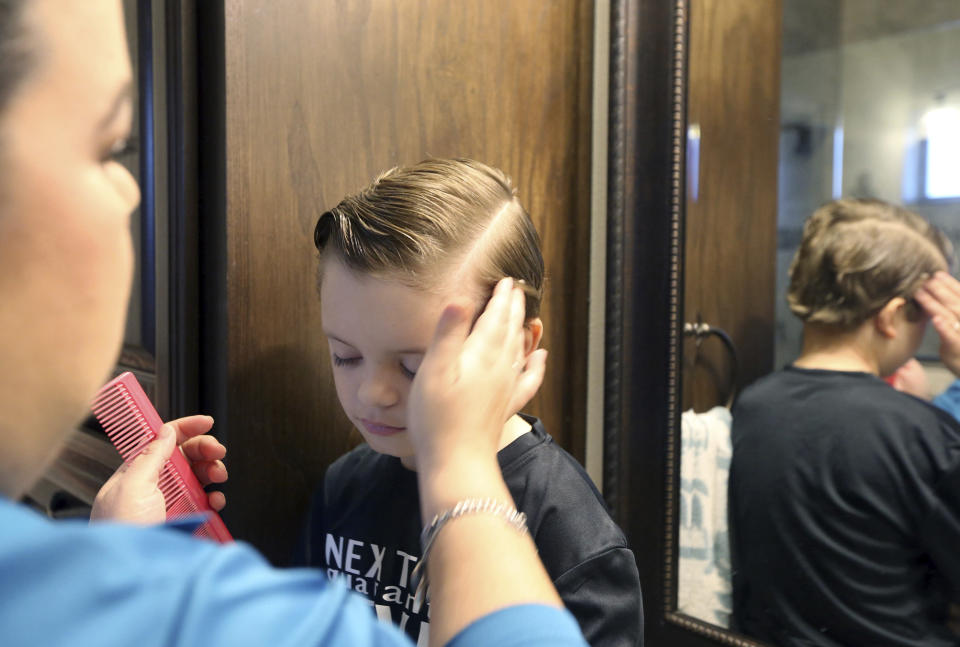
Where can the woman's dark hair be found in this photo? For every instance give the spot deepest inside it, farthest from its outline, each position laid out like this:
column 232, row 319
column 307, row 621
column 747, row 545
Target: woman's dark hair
column 15, row 53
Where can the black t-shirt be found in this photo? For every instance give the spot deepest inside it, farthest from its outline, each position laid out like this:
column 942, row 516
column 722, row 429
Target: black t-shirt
column 844, row 512
column 364, row 527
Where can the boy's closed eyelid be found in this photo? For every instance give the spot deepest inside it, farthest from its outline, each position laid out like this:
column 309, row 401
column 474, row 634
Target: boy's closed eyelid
column 353, row 361
column 345, row 361
column 411, row 363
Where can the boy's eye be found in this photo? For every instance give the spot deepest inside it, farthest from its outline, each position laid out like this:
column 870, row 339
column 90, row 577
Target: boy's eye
column 409, row 364
column 345, row 361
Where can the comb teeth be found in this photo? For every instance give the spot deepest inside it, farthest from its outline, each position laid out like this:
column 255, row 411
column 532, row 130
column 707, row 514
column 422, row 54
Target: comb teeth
column 173, row 490
column 120, row 417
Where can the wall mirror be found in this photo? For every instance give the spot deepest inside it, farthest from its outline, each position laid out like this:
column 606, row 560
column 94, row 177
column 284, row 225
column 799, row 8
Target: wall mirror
column 731, row 121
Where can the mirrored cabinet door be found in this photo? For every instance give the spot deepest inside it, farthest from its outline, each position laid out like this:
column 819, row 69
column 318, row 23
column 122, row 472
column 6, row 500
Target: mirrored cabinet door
column 747, row 117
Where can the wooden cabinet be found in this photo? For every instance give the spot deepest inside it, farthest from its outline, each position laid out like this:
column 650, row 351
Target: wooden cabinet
column 304, row 102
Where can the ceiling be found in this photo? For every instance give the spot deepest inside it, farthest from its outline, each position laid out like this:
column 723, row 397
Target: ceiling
column 810, row 25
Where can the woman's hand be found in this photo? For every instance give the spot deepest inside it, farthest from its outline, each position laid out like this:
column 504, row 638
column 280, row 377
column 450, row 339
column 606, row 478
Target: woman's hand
column 940, row 297
column 912, row 378
column 132, row 495
column 470, row 383
column 466, row 388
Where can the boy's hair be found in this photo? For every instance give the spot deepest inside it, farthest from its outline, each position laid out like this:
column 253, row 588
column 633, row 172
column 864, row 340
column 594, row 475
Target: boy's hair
column 856, row 255
column 438, row 220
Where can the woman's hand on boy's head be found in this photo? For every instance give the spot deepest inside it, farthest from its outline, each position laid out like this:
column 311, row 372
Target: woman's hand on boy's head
column 940, row 297
column 471, row 382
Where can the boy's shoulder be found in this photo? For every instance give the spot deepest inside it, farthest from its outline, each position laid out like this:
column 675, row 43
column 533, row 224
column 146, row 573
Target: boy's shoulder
column 558, row 497
column 860, row 407
column 534, row 459
column 793, row 387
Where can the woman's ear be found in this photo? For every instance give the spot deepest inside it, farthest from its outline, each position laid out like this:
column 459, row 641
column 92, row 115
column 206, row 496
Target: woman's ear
column 888, row 318
column 532, row 334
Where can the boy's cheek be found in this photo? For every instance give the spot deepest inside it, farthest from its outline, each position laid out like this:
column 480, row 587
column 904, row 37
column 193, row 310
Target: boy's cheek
column 343, row 390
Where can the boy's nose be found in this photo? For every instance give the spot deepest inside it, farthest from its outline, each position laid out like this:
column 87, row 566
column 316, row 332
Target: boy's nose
column 376, row 391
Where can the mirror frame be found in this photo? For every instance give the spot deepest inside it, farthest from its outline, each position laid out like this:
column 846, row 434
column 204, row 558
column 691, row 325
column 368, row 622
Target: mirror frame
column 644, row 312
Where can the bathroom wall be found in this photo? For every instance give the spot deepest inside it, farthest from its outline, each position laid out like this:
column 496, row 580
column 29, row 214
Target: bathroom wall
column 853, row 117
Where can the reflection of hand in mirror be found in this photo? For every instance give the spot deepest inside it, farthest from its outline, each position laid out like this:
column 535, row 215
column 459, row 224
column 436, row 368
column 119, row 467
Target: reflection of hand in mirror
column 911, row 378
column 940, row 297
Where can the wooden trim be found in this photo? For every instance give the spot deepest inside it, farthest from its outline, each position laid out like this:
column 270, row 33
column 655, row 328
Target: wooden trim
column 645, row 304
column 615, row 218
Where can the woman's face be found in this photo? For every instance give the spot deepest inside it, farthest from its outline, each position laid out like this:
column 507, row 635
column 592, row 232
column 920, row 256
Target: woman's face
column 66, row 257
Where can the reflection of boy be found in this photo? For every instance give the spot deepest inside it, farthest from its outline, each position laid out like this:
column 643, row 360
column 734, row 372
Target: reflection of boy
column 845, row 493
column 391, row 257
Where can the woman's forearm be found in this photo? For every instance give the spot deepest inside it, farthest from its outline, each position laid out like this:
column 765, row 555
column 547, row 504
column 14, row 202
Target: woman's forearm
column 478, row 563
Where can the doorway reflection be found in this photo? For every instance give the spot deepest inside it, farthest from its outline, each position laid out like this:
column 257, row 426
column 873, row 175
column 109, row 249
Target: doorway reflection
column 870, row 108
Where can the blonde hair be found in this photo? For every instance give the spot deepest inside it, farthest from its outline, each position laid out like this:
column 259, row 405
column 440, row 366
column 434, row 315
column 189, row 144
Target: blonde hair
column 856, row 255
column 438, row 220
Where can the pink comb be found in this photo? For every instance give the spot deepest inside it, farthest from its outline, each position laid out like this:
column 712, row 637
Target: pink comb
column 131, row 423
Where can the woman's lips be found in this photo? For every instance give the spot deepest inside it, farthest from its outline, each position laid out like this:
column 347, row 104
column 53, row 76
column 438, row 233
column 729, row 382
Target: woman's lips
column 378, row 429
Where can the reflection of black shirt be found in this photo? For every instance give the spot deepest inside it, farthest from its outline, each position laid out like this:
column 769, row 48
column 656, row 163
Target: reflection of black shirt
column 364, row 527
column 844, row 512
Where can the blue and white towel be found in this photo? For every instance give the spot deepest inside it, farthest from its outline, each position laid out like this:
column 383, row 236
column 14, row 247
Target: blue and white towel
column 704, row 588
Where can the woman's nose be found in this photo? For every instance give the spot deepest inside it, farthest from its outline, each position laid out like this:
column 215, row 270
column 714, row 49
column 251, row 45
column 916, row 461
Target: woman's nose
column 377, row 391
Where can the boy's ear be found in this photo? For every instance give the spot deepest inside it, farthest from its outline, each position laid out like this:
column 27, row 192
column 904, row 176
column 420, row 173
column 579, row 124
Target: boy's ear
column 887, row 319
column 532, row 334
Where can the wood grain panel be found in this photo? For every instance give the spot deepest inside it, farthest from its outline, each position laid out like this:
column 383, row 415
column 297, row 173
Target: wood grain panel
column 322, row 96
column 730, row 230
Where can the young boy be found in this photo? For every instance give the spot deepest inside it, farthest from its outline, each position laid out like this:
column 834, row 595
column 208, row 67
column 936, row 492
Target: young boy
column 390, row 257
column 845, row 493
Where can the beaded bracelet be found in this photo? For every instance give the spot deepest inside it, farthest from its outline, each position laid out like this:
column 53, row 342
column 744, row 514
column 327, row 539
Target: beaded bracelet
column 429, row 534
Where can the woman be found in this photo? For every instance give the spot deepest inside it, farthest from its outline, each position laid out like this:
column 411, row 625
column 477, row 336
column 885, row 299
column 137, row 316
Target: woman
column 66, row 265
